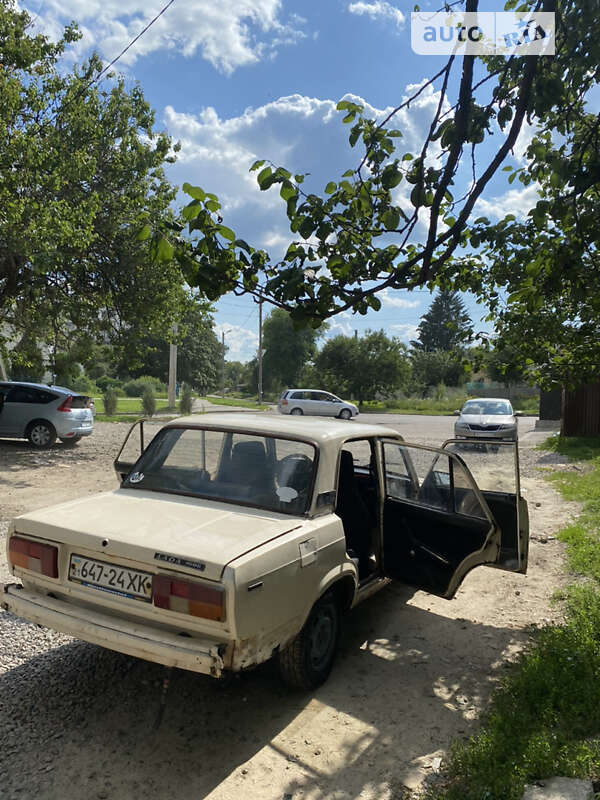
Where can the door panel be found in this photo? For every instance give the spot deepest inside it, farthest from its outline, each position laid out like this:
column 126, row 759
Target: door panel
column 436, row 524
column 495, row 468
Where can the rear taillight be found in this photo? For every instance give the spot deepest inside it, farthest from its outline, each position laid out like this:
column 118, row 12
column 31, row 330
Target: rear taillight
column 284, row 402
column 42, row 558
column 187, row 597
column 66, row 404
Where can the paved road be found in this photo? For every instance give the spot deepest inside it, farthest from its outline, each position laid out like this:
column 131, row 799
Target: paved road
column 434, row 430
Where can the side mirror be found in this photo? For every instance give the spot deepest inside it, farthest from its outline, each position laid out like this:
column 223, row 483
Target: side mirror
column 456, row 413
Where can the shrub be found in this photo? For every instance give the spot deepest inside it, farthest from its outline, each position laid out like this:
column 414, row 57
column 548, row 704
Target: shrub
column 148, row 401
column 186, row 399
column 104, row 382
column 135, row 388
column 110, row 401
column 84, row 385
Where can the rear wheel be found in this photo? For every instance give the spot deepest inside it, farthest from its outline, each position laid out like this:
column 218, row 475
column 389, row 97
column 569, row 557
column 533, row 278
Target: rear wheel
column 345, row 413
column 307, row 660
column 71, row 441
column 297, row 412
column 41, row 434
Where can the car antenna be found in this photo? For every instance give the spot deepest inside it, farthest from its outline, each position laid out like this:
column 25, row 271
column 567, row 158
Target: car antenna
column 163, row 697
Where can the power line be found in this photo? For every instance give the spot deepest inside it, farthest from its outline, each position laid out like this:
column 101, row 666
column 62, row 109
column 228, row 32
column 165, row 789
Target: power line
column 131, row 43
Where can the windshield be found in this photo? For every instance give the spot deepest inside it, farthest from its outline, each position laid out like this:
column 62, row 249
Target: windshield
column 264, row 471
column 487, row 407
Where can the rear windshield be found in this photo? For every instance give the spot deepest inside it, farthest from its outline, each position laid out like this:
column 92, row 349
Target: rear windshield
column 487, row 407
column 80, row 401
column 264, row 471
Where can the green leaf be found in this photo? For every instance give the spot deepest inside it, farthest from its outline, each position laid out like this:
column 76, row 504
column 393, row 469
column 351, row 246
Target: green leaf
column 354, row 134
column 192, row 210
column 212, row 205
column 348, row 174
column 306, row 228
column 144, row 233
column 257, row 165
column 287, row 191
column 343, row 105
column 263, row 175
column 164, row 250
column 395, row 133
column 243, row 245
column 330, row 188
column 391, row 176
column 349, row 117
column 194, row 191
column 391, row 219
column 226, row 233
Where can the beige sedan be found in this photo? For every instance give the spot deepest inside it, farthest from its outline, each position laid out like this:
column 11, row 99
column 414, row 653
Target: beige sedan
column 235, row 538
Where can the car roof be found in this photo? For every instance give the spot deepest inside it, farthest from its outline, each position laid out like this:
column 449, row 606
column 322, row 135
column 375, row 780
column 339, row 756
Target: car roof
column 302, row 389
column 318, row 430
column 488, row 400
column 40, row 386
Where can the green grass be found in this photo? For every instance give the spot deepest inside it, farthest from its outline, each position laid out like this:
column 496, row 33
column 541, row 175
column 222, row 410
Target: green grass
column 544, row 720
column 235, row 401
column 129, row 405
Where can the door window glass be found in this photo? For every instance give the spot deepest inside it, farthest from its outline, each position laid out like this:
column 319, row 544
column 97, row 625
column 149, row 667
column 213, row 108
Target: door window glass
column 492, row 464
column 361, row 453
column 23, row 394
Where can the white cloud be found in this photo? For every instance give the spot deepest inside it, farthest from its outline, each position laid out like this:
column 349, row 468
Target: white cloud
column 396, row 300
column 404, row 331
column 302, row 133
column 378, row 9
column 514, row 201
column 241, row 343
column 229, row 34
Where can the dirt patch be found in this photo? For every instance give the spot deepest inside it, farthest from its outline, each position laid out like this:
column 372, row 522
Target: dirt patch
column 414, row 673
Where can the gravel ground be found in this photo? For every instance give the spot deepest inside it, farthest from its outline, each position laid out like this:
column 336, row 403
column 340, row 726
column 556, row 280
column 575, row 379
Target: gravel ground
column 77, row 720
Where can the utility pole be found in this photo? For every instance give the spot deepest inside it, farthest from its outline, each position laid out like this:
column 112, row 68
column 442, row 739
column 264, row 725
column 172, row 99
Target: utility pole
column 172, row 368
column 260, row 352
column 223, row 364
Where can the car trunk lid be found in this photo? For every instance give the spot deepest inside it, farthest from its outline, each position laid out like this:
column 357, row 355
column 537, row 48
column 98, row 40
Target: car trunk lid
column 160, row 530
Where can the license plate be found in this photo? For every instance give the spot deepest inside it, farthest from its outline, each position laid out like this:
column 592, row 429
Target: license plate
column 111, row 578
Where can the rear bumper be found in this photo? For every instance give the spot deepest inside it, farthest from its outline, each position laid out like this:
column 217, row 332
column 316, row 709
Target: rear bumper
column 115, row 633
column 74, row 429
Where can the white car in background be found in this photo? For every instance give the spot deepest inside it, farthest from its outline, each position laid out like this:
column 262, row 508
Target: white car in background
column 487, row 418
column 315, row 402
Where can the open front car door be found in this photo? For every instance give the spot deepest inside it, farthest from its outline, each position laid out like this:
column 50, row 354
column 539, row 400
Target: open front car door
column 437, row 524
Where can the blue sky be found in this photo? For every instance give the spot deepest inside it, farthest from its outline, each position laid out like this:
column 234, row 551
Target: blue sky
column 237, row 80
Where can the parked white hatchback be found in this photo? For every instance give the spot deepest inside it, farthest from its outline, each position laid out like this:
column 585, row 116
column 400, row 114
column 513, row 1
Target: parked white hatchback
column 315, row 402
column 237, row 537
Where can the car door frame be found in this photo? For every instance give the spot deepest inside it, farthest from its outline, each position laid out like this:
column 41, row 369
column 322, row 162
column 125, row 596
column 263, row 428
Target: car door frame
column 489, row 551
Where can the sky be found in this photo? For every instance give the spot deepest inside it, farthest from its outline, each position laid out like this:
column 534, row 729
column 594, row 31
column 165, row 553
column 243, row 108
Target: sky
column 238, row 80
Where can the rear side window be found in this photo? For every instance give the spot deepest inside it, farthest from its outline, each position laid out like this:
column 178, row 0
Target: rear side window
column 297, row 395
column 25, row 394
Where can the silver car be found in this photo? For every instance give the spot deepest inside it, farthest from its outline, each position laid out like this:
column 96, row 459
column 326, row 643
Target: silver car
column 43, row 413
column 487, row 418
column 315, row 402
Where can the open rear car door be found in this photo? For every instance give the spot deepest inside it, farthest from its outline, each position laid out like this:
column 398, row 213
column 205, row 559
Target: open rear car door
column 495, row 468
column 437, row 524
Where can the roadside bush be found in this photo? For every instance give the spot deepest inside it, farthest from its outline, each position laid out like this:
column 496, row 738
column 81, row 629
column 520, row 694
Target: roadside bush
column 104, row 382
column 135, row 388
column 186, row 399
column 84, row 385
column 110, row 401
column 148, row 401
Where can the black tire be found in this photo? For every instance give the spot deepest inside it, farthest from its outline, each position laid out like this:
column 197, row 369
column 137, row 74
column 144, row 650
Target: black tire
column 41, row 434
column 71, row 442
column 307, row 660
column 297, row 412
column 345, row 413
